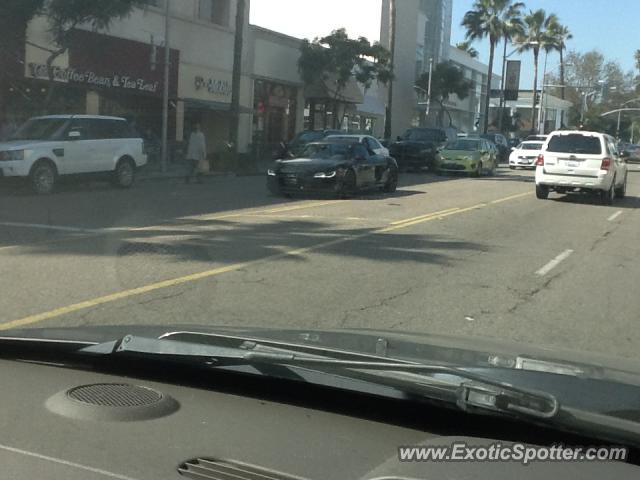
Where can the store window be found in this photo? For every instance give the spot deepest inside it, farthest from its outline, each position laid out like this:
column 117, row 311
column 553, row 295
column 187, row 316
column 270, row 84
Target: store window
column 215, row 11
column 275, row 107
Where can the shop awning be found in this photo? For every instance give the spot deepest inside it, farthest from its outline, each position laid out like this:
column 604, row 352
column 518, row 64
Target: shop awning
column 197, row 104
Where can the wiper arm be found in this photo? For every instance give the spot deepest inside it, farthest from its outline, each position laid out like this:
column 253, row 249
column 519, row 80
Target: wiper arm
column 475, row 393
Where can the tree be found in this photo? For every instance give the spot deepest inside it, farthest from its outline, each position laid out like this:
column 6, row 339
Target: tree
column 446, row 80
column 392, row 46
column 485, row 21
column 467, row 48
column 340, row 58
column 236, row 75
column 536, row 37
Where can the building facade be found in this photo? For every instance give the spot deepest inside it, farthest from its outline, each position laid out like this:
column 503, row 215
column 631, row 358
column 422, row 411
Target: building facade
column 520, row 111
column 423, row 34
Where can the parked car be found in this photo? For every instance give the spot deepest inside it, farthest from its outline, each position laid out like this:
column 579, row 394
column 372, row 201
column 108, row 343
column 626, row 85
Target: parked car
column 525, row 155
column 471, row 155
column 338, row 167
column 500, row 142
column 368, row 141
column 580, row 161
column 418, row 148
column 299, row 142
column 537, row 138
column 631, row 152
column 514, row 142
column 47, row 148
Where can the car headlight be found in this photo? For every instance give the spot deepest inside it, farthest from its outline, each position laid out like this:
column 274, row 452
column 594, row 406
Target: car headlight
column 325, row 174
column 271, row 173
column 11, row 155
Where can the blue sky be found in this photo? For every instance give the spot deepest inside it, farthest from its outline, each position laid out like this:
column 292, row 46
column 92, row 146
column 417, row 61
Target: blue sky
column 610, row 26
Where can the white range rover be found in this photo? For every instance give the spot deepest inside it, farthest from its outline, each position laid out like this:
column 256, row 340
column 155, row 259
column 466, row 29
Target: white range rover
column 46, row 148
column 578, row 161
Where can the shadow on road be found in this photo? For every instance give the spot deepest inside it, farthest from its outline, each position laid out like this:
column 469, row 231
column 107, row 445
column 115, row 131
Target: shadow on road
column 590, row 199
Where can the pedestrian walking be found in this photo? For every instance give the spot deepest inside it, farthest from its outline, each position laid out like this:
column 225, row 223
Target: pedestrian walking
column 196, row 155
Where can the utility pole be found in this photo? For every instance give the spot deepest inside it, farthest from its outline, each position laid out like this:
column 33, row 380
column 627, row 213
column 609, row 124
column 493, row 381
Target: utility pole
column 392, row 46
column 502, row 80
column 165, row 92
column 237, row 76
column 429, row 87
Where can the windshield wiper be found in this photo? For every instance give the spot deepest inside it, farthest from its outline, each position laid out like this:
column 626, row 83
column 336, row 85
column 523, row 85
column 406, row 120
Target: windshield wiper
column 470, row 392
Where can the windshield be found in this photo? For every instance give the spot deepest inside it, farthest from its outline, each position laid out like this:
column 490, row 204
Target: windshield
column 423, row 135
column 531, row 146
column 40, row 129
column 469, row 145
column 232, row 209
column 334, row 151
column 579, row 144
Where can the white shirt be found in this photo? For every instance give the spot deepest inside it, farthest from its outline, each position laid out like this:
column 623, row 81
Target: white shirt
column 197, row 147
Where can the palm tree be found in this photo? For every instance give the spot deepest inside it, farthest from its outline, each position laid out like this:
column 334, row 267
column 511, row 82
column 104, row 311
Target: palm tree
column 485, row 21
column 537, row 35
column 468, row 49
column 512, row 27
column 561, row 34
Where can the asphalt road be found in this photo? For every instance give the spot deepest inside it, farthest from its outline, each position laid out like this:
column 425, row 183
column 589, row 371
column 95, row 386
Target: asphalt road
column 447, row 255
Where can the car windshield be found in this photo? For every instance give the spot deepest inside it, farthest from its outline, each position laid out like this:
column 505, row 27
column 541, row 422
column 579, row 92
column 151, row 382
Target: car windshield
column 422, row 135
column 469, row 145
column 531, row 146
column 170, row 166
column 575, row 143
column 334, row 151
column 39, row 129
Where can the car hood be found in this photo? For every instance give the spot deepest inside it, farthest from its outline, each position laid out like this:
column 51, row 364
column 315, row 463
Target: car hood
column 299, row 165
column 21, row 144
column 467, row 352
column 458, row 153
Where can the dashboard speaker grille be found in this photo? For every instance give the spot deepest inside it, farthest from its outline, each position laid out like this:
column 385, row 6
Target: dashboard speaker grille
column 212, row 469
column 114, row 395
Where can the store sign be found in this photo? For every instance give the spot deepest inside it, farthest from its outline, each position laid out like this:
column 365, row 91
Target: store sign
column 87, row 77
column 214, row 86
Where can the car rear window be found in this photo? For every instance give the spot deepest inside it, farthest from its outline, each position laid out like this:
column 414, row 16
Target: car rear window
column 579, row 144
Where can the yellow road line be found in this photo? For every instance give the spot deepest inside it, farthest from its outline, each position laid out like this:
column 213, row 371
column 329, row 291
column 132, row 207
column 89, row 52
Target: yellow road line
column 419, row 217
column 512, row 197
column 40, row 317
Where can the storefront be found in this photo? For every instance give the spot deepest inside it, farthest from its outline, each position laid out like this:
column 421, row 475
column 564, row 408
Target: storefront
column 275, row 111
column 107, row 75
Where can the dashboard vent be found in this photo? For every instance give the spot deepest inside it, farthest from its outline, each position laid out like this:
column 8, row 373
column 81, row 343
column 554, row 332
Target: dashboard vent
column 115, row 395
column 212, row 469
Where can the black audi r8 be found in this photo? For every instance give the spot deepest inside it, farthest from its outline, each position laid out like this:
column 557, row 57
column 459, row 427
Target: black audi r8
column 338, row 167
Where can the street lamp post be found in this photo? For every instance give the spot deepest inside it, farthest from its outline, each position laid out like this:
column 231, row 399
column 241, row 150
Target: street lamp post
column 165, row 90
column 502, row 102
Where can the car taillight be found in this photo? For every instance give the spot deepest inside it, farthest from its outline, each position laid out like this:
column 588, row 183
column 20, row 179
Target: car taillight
column 606, row 164
column 540, row 161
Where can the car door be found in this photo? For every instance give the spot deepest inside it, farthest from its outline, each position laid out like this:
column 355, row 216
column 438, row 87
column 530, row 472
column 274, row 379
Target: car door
column 81, row 150
column 618, row 161
column 363, row 165
column 376, row 147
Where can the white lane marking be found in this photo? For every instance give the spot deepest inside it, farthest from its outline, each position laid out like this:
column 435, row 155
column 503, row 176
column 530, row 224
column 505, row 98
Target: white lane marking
column 66, row 463
column 554, row 263
column 615, row 215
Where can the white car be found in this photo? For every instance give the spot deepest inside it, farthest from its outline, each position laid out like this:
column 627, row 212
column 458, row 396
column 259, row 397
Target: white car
column 581, row 161
column 370, row 142
column 525, row 155
column 45, row 148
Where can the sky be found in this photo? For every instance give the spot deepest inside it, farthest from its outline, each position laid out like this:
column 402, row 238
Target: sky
column 610, row 26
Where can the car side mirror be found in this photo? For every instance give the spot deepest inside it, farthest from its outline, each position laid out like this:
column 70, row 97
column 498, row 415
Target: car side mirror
column 74, row 135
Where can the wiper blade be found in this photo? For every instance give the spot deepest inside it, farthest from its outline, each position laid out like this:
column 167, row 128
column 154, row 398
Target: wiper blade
column 469, row 391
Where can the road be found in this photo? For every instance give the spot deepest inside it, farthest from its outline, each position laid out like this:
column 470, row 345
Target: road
column 447, row 255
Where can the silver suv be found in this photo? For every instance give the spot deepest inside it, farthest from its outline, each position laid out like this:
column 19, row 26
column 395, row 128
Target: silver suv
column 581, row 161
column 45, row 148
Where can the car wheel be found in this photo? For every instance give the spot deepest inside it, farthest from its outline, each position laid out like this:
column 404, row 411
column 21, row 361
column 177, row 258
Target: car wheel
column 392, row 182
column 347, row 185
column 478, row 171
column 124, row 174
column 542, row 192
column 43, row 178
column 607, row 196
column 512, row 167
column 621, row 191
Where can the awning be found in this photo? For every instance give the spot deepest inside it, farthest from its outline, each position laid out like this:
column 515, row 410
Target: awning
column 197, row 104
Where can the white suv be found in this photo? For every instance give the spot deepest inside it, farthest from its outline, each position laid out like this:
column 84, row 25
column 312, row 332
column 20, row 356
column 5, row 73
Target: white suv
column 45, row 148
column 581, row 161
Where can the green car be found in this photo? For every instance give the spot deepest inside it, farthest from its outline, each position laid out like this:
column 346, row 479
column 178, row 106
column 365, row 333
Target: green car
column 470, row 155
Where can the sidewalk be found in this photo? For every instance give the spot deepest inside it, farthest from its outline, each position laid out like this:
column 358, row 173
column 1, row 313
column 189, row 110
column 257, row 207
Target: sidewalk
column 154, row 171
